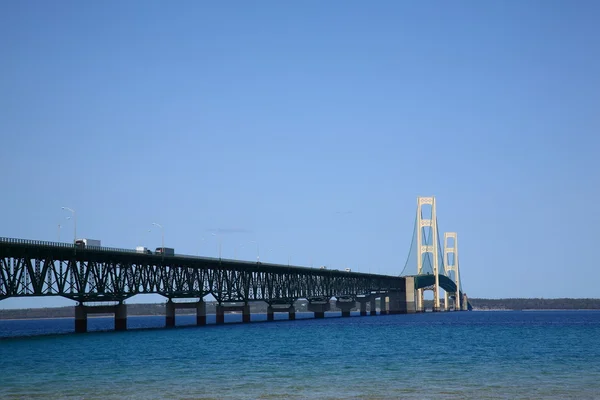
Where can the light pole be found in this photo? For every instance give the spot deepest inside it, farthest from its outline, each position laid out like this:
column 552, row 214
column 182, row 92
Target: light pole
column 257, row 250
column 162, row 231
column 218, row 237
column 74, row 223
column 59, row 232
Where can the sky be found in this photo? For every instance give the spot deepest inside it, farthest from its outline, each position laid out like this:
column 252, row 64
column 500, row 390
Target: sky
column 311, row 128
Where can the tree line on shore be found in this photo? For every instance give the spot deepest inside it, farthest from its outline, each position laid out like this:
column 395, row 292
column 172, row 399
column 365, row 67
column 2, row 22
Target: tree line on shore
column 535, row 304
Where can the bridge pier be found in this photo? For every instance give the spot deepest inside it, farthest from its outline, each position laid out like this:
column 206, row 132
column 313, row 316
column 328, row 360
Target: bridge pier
column 82, row 311
column 346, row 305
column 363, row 300
column 170, row 314
column 80, row 319
column 382, row 305
column 407, row 297
column 171, row 308
column 394, row 302
column 120, row 317
column 201, row 313
column 373, row 306
column 272, row 310
column 222, row 308
column 464, row 303
column 270, row 313
column 318, row 307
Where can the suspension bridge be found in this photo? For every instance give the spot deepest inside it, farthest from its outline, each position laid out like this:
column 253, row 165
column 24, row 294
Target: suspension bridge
column 92, row 275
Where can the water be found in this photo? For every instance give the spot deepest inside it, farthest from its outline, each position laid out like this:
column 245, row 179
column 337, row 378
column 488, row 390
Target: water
column 477, row 355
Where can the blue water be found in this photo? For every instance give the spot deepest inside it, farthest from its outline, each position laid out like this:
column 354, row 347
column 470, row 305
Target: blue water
column 476, row 355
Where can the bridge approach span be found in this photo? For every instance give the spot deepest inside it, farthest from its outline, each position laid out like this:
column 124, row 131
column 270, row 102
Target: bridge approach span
column 35, row 268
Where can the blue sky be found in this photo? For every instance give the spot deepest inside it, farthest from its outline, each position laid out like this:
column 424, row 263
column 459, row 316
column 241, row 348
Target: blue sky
column 310, row 127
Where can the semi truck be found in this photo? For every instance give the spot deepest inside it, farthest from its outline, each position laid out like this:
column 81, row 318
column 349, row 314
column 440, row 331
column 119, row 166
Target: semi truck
column 87, row 243
column 166, row 251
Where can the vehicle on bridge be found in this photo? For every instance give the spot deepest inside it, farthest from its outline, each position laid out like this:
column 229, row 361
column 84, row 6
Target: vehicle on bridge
column 144, row 250
column 87, row 242
column 166, row 251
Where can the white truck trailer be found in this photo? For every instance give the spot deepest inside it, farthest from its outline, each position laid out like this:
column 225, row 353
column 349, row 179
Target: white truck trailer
column 87, row 243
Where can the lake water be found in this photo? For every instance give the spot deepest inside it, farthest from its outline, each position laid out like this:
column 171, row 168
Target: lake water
column 475, row 355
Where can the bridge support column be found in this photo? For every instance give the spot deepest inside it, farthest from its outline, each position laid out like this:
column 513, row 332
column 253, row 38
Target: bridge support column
column 246, row 313
column 363, row 309
column 80, row 319
column 394, row 302
column 407, row 303
column 170, row 314
column 82, row 311
column 171, row 310
column 446, row 301
column 420, row 300
column 319, row 307
column 201, row 313
column 464, row 303
column 382, row 305
column 121, row 317
column 281, row 308
column 220, row 310
column 270, row 314
column 363, row 304
column 346, row 306
column 373, row 306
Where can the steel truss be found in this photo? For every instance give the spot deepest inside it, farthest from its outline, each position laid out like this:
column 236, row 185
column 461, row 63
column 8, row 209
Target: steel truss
column 29, row 268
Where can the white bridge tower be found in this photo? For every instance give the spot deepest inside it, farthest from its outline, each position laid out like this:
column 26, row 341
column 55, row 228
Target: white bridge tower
column 452, row 249
column 424, row 248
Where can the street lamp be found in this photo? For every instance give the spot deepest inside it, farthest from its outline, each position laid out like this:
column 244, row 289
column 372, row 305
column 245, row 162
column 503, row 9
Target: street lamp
column 162, row 231
column 257, row 250
column 74, row 223
column 59, row 232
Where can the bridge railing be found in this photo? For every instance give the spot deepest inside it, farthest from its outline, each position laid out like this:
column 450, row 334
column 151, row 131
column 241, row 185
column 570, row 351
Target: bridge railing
column 109, row 249
column 36, row 242
column 63, row 245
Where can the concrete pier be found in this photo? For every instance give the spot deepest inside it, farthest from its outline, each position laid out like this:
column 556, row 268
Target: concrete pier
column 80, row 319
column 82, row 311
column 271, row 310
column 120, row 317
column 408, row 297
column 373, row 306
column 222, row 308
column 346, row 305
column 270, row 313
column 319, row 307
column 171, row 308
column 383, row 310
column 464, row 303
column 363, row 300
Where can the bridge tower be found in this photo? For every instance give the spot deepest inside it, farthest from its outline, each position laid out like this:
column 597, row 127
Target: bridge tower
column 424, row 248
column 452, row 250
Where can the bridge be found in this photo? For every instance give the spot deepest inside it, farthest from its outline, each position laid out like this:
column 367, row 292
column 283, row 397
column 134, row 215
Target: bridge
column 93, row 275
